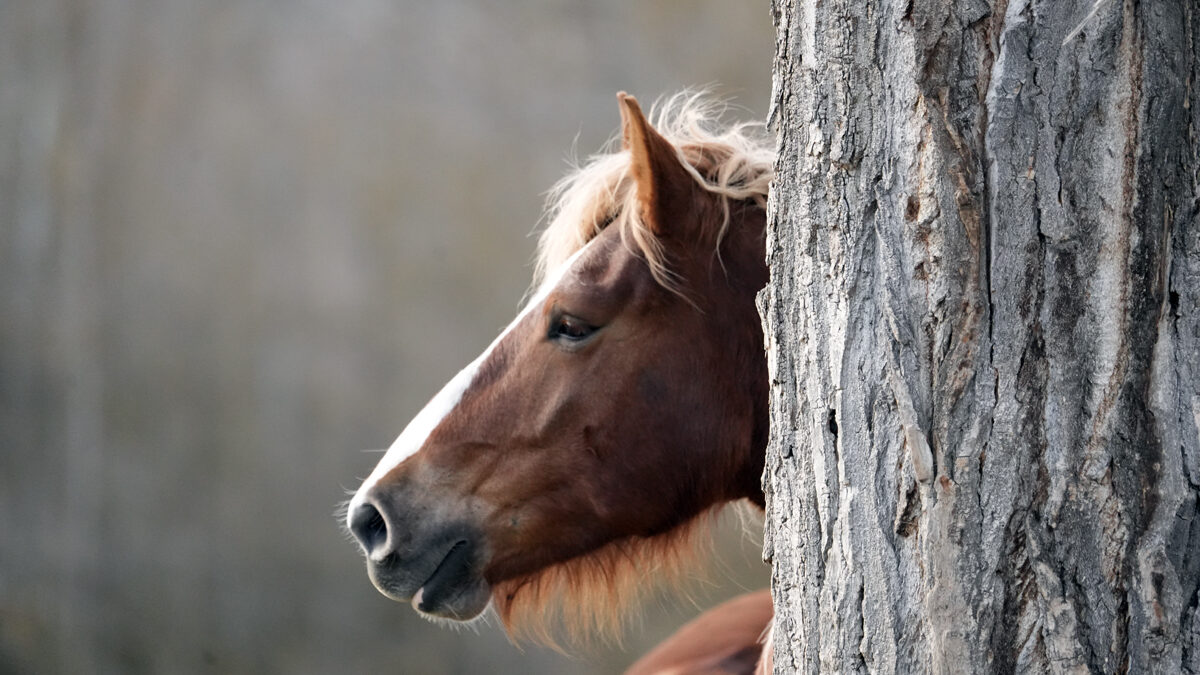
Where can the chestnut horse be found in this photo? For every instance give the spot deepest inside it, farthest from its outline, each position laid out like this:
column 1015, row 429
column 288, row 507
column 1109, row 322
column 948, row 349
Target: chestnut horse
column 626, row 400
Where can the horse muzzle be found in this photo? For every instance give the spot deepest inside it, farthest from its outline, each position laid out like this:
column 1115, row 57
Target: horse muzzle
column 413, row 558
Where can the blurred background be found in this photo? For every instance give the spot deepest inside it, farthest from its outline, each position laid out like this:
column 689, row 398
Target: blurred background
column 241, row 243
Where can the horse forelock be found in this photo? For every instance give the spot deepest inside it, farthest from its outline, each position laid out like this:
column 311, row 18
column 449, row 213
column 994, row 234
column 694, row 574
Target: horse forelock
column 733, row 162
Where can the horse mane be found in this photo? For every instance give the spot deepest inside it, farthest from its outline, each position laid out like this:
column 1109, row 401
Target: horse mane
column 735, row 162
column 592, row 595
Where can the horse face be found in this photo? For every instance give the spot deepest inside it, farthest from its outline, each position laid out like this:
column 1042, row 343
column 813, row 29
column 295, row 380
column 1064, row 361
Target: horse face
column 602, row 413
column 547, row 451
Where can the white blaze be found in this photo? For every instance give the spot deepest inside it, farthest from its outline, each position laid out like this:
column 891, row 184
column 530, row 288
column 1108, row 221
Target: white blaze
column 414, row 435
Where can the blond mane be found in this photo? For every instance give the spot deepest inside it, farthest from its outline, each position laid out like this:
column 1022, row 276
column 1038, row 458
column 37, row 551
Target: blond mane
column 735, row 162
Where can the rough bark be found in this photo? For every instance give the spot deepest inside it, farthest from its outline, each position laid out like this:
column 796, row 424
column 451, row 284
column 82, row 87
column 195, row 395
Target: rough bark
column 983, row 325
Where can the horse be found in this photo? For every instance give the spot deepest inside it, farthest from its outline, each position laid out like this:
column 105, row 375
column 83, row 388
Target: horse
column 625, row 403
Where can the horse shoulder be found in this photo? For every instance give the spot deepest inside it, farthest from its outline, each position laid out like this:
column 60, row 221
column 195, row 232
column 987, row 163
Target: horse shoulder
column 725, row 640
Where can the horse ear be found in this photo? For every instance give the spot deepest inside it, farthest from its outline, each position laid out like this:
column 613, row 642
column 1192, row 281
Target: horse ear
column 665, row 188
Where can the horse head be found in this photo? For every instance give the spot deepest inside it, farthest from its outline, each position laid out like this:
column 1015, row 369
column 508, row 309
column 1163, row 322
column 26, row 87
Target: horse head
column 627, row 398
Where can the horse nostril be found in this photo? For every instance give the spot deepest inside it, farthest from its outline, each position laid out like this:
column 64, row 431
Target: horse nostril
column 369, row 528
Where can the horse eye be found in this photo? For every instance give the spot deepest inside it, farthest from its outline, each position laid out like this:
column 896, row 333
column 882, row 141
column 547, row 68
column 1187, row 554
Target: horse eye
column 571, row 329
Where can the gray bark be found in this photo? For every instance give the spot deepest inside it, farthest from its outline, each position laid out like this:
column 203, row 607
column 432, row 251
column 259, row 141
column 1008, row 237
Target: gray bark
column 983, row 325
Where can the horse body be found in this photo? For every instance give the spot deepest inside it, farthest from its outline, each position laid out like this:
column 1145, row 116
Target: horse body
column 627, row 399
column 726, row 640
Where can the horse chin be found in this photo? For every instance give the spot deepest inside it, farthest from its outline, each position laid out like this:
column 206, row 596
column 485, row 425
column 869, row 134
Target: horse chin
column 464, row 603
column 453, row 591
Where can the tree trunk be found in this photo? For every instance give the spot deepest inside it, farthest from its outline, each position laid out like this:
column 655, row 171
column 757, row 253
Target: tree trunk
column 983, row 325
